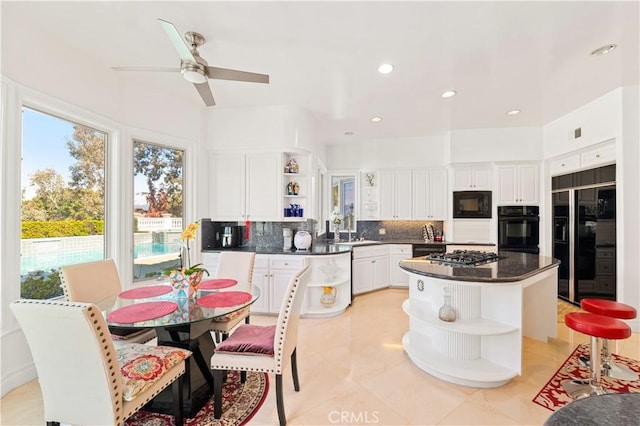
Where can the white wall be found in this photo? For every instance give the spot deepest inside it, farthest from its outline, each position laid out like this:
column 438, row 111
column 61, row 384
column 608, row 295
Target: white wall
column 497, row 144
column 419, row 152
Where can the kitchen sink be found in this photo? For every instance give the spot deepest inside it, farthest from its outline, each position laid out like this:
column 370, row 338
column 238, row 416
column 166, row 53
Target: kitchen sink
column 357, row 242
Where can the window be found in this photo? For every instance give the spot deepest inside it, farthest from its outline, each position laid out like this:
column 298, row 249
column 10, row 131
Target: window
column 158, row 209
column 63, row 200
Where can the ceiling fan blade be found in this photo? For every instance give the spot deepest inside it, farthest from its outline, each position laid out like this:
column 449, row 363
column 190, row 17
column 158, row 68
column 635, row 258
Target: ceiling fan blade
column 205, row 93
column 227, row 74
column 177, row 41
column 173, row 69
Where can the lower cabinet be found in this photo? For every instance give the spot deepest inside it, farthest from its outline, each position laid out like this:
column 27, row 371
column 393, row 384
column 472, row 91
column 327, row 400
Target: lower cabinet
column 272, row 274
column 397, row 276
column 370, row 268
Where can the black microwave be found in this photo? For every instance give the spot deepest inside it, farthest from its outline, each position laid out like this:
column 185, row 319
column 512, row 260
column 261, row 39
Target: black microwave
column 472, row 204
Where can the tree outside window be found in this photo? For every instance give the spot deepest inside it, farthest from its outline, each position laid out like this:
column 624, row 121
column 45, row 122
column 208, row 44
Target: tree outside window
column 63, row 199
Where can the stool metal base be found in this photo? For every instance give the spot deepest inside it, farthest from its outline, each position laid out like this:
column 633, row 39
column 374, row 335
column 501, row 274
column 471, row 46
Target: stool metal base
column 612, row 370
column 577, row 389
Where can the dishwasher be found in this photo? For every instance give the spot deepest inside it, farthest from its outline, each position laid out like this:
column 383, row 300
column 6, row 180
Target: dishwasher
column 422, row 250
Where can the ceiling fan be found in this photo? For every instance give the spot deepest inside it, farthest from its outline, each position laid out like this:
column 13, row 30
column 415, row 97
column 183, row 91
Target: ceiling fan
column 194, row 68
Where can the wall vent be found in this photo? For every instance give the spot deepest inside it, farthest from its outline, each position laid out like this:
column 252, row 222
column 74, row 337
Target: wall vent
column 577, row 133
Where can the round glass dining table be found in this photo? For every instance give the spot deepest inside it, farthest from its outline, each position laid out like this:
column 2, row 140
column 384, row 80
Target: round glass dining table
column 184, row 323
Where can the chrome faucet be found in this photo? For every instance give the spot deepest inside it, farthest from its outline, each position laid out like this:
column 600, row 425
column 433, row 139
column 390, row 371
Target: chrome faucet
column 362, row 238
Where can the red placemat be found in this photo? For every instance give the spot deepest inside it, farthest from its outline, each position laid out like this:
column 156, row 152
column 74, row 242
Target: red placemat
column 143, row 292
column 224, row 299
column 141, row 312
column 217, row 283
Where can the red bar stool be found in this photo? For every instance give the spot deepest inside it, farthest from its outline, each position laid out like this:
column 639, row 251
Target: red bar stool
column 598, row 327
column 610, row 308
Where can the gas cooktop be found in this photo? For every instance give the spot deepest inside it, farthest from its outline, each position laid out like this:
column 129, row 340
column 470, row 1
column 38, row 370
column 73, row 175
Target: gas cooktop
column 464, row 257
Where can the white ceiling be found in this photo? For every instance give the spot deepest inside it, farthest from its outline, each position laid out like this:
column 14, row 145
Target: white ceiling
column 323, row 56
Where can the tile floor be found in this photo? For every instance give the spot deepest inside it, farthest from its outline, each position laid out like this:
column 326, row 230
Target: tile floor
column 353, row 371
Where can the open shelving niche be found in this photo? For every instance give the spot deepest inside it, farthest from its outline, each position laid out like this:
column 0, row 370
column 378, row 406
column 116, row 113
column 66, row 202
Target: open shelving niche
column 341, row 281
column 301, row 177
column 481, row 348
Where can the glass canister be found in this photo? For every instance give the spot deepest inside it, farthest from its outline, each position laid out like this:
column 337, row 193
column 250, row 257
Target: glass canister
column 447, row 312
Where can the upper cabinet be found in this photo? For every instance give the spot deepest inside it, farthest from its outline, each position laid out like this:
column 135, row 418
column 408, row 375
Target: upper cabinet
column 246, row 187
column 518, row 184
column 368, row 196
column 430, row 194
column 472, row 178
column 591, row 157
column 395, row 194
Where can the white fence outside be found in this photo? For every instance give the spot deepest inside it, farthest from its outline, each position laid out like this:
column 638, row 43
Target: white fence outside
column 146, row 224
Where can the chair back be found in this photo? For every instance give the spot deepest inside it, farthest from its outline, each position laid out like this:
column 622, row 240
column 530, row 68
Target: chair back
column 238, row 266
column 92, row 282
column 75, row 359
column 289, row 317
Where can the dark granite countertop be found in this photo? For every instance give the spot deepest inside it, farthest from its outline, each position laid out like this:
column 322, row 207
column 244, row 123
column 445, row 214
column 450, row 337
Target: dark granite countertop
column 511, row 267
column 611, row 409
column 320, row 247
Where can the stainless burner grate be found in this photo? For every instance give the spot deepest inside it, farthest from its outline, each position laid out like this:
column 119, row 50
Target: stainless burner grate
column 464, row 257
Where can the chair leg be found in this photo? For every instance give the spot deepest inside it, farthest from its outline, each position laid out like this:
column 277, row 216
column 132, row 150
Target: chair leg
column 246, row 320
column 294, row 370
column 53, row 423
column 243, row 376
column 218, row 379
column 279, row 400
column 178, row 406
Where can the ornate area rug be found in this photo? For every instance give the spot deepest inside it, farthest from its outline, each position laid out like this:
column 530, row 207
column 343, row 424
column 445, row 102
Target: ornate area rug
column 240, row 401
column 552, row 396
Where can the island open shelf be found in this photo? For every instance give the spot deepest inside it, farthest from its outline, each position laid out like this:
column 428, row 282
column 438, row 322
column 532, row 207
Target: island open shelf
column 483, row 346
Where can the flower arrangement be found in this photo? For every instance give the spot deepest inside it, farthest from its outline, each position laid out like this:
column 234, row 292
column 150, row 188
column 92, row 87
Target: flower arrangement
column 336, row 218
column 186, row 279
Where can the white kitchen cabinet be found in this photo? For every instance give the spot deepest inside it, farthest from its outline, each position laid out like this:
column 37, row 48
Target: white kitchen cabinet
column 246, row 187
column 397, row 276
column 370, row 268
column 272, row 274
column 591, row 157
column 369, row 198
column 429, row 194
column 472, row 178
column 518, row 184
column 395, row 194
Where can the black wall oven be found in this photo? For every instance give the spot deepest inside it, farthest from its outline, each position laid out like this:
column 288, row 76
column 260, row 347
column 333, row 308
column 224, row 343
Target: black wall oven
column 519, row 228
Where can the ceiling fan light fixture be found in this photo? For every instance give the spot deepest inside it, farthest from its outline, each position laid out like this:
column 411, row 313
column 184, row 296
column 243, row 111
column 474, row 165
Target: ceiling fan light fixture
column 600, row 51
column 385, row 68
column 194, row 76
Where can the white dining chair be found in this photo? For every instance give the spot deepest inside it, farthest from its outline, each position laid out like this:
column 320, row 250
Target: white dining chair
column 238, row 266
column 99, row 283
column 267, row 349
column 84, row 378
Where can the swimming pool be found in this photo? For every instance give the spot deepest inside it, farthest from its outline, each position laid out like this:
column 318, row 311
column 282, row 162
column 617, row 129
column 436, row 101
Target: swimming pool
column 57, row 258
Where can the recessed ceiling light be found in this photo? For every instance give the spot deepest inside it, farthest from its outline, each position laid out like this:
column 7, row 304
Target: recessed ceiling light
column 513, row 112
column 604, row 50
column 385, row 68
column 448, row 93
column 348, row 133
column 376, row 119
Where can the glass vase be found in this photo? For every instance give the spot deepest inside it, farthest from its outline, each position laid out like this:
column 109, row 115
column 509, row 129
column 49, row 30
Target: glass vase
column 447, row 312
column 336, row 233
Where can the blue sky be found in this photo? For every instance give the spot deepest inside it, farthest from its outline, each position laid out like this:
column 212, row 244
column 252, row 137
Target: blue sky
column 44, row 147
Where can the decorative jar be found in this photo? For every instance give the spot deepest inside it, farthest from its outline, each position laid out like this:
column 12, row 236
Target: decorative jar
column 302, row 240
column 447, row 312
column 328, row 298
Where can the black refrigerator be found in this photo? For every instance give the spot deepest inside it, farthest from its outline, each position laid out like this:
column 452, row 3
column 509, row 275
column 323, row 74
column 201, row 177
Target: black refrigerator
column 584, row 234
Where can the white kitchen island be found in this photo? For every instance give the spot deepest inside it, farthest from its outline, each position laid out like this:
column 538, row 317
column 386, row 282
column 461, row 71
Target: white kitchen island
column 496, row 305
